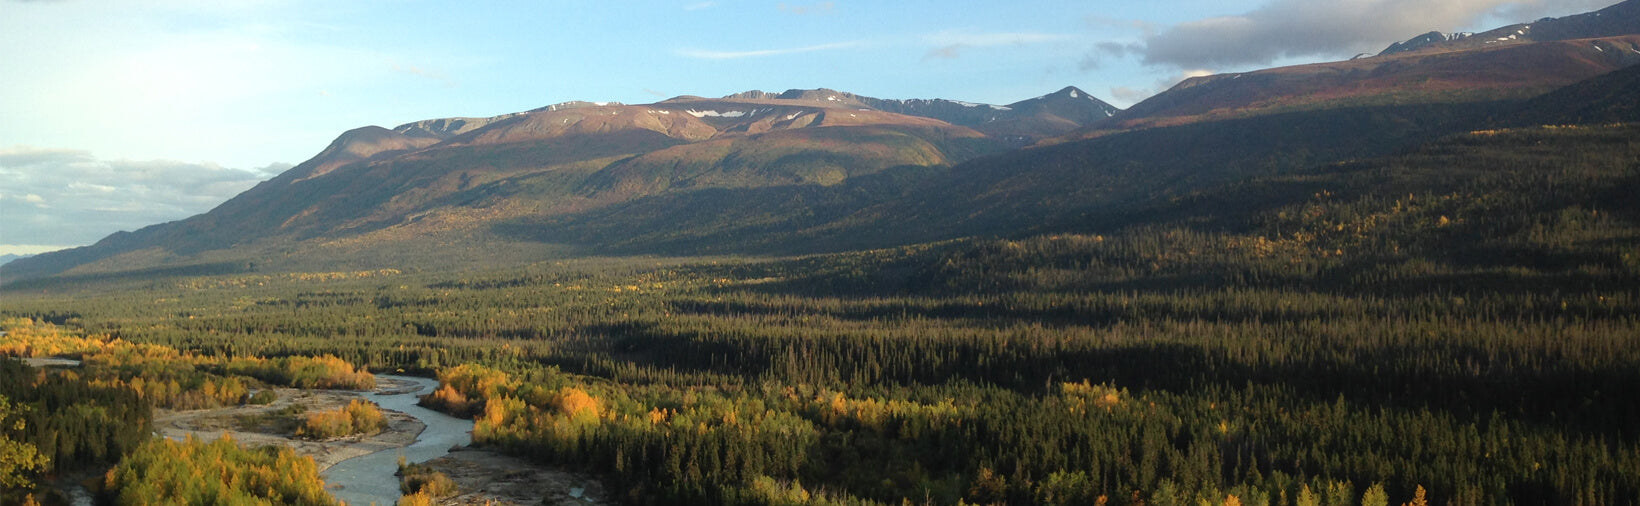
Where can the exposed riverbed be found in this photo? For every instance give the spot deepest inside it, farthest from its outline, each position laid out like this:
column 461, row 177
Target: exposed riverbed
column 370, row 478
column 360, row 469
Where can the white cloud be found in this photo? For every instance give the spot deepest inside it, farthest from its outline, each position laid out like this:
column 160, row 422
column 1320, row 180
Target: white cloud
column 1126, row 96
column 29, row 249
column 58, row 196
column 731, row 55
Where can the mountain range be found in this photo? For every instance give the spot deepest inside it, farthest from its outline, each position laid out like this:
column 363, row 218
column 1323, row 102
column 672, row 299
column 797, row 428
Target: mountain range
column 1614, row 21
column 1513, row 62
column 819, row 170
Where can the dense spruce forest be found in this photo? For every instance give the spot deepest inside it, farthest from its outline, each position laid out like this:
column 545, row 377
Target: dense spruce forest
column 1450, row 324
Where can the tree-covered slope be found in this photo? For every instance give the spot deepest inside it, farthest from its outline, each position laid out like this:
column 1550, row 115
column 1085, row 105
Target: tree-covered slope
column 1453, row 321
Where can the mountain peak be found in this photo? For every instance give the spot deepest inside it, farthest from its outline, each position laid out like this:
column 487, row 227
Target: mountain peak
column 362, row 143
column 1070, row 103
column 1071, row 92
column 445, row 128
column 573, row 104
column 821, row 95
column 1423, row 41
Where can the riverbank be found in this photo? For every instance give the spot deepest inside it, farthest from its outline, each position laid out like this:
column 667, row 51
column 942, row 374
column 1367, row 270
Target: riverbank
column 485, row 477
column 482, row 476
column 253, row 425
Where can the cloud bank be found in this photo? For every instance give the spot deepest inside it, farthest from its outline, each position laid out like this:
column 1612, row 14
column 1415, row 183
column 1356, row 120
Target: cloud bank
column 1308, row 28
column 70, row 198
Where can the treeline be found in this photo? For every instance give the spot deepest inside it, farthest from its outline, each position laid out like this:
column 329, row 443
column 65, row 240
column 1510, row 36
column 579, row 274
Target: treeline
column 75, row 424
column 322, row 372
column 357, row 417
column 1085, row 444
column 163, row 471
column 174, row 379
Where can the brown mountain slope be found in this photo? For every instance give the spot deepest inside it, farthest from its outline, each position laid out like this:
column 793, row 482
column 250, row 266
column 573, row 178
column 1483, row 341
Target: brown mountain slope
column 457, row 177
column 1018, row 124
column 1514, row 62
column 1488, row 73
column 1620, row 19
column 362, row 144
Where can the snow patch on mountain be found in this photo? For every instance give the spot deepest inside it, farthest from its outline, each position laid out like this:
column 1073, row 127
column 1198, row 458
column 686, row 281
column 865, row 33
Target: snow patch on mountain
column 715, row 114
column 1423, row 41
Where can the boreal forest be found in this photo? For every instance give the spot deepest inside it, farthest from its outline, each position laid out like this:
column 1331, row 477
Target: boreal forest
column 1376, row 301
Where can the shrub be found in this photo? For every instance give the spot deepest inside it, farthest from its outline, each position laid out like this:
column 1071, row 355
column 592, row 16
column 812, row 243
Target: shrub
column 420, row 479
column 264, row 397
column 358, row 417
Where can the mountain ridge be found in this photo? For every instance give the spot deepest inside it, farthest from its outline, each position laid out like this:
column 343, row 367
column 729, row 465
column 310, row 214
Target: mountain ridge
column 819, row 169
column 1423, row 41
column 1513, row 62
column 1021, row 123
column 1513, row 71
column 1618, row 19
column 439, row 175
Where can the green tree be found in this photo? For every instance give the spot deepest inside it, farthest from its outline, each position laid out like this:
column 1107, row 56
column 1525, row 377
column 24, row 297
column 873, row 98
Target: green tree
column 18, row 460
column 1375, row 496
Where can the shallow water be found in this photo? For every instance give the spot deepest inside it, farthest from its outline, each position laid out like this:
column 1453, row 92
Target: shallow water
column 79, row 496
column 369, row 479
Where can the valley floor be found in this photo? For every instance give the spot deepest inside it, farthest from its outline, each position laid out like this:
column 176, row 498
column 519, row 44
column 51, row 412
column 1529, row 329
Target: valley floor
column 489, row 478
column 482, row 476
column 251, row 425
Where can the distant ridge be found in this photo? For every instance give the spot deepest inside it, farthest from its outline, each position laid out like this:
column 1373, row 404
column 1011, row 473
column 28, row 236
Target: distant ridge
column 1019, row 123
column 1423, row 41
column 1619, row 19
column 1510, row 63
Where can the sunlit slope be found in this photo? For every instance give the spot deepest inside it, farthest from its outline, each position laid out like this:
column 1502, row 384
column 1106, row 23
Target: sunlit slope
column 457, row 177
column 1509, row 63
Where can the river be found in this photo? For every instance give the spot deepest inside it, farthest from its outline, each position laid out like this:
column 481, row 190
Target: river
column 369, row 479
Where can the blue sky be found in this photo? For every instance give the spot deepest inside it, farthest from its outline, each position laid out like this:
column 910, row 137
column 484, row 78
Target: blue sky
column 120, row 114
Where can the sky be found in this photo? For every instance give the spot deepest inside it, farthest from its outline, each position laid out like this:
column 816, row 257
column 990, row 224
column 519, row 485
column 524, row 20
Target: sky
column 118, row 114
